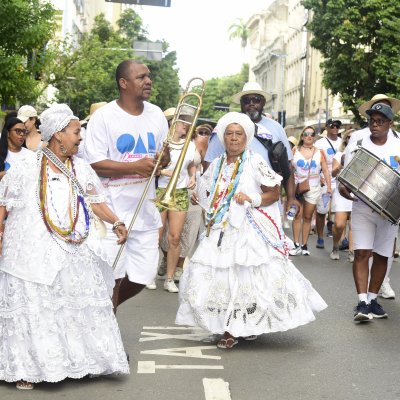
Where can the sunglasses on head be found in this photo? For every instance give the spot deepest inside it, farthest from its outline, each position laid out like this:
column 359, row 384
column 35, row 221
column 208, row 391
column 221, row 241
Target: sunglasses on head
column 334, row 126
column 308, row 133
column 252, row 99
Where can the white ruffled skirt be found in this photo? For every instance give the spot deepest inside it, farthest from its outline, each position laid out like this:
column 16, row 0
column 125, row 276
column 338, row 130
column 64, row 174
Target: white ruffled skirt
column 65, row 330
column 244, row 287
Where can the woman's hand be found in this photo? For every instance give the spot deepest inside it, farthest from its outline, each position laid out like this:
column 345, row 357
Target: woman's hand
column 121, row 233
column 241, row 197
column 192, row 182
column 194, row 198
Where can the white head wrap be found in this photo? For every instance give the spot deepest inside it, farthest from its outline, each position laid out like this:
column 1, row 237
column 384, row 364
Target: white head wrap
column 236, row 118
column 55, row 119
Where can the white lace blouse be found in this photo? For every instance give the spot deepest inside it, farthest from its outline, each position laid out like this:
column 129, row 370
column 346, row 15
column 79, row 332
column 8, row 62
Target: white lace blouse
column 30, row 252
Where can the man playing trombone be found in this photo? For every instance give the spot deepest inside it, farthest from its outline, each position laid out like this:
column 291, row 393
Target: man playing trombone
column 122, row 144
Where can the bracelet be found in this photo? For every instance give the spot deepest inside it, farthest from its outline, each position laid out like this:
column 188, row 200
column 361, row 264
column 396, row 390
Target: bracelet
column 255, row 199
column 118, row 223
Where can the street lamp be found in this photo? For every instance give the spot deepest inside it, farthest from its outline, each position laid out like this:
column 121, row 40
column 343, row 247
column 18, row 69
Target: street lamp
column 281, row 114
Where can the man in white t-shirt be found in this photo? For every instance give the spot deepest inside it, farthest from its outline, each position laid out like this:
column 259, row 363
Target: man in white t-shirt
column 373, row 234
column 329, row 145
column 122, row 142
column 386, row 290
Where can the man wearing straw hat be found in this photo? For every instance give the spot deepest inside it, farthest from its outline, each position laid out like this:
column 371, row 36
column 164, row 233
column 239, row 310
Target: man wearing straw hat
column 252, row 100
column 122, row 143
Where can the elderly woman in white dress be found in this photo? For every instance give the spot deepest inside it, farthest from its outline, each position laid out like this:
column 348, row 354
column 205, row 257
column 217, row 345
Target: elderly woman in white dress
column 240, row 282
column 56, row 315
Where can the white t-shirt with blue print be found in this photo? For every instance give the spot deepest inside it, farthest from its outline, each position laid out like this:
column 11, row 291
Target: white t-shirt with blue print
column 387, row 153
column 114, row 134
column 14, row 157
column 324, row 144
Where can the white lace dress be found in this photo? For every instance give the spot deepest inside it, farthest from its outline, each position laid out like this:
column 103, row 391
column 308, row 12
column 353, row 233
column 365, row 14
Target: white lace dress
column 56, row 318
column 247, row 285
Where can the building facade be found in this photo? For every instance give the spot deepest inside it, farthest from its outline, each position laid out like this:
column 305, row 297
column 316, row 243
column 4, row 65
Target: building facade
column 286, row 66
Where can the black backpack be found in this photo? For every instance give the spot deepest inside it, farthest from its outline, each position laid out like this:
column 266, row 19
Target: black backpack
column 278, row 157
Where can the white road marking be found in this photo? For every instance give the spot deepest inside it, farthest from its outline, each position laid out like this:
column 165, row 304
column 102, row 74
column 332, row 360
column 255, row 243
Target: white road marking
column 216, row 389
column 192, row 352
column 183, row 328
column 150, row 367
column 200, row 335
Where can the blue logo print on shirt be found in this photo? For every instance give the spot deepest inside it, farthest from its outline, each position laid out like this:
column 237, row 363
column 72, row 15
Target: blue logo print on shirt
column 126, row 144
column 306, row 165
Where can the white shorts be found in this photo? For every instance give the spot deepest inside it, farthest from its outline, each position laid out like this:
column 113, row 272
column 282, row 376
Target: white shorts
column 320, row 206
column 340, row 203
column 139, row 259
column 313, row 195
column 372, row 232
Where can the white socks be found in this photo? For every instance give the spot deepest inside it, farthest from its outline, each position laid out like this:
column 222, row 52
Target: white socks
column 367, row 297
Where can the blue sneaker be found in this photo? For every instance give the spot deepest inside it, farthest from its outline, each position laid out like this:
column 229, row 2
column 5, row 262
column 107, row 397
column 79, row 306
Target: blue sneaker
column 344, row 245
column 376, row 310
column 320, row 244
column 362, row 312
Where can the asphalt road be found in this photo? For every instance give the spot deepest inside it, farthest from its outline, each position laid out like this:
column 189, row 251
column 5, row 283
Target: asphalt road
column 331, row 358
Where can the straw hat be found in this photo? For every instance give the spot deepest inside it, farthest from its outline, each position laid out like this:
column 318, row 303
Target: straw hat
column 249, row 88
column 293, row 140
column 185, row 111
column 395, row 104
column 94, row 107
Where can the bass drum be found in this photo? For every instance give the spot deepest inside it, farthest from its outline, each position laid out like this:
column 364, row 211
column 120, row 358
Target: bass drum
column 374, row 182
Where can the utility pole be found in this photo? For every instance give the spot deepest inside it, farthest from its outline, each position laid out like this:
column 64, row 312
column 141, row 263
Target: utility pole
column 282, row 58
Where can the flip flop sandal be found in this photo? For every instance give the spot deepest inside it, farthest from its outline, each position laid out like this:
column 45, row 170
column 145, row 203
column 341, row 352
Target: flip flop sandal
column 227, row 343
column 23, row 385
column 250, row 338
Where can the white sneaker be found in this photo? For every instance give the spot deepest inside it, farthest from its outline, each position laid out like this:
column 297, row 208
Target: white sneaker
column 162, row 269
column 151, row 286
column 296, row 251
column 350, row 257
column 334, row 255
column 386, row 290
column 169, row 286
column 178, row 273
column 286, row 225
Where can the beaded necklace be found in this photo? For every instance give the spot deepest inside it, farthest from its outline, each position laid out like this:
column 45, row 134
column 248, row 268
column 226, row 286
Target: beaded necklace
column 221, row 199
column 69, row 234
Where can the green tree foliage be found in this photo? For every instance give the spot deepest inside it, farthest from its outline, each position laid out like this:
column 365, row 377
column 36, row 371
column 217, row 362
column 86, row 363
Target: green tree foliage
column 239, row 30
column 360, row 43
column 25, row 29
column 86, row 74
column 221, row 90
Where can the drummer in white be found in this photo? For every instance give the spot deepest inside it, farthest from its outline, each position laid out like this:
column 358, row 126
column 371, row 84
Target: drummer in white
column 372, row 234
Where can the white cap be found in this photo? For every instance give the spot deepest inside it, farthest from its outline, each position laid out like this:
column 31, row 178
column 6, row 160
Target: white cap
column 26, row 112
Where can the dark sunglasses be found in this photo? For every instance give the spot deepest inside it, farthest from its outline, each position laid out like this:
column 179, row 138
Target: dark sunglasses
column 378, row 122
column 204, row 133
column 252, row 99
column 20, row 132
column 332, row 126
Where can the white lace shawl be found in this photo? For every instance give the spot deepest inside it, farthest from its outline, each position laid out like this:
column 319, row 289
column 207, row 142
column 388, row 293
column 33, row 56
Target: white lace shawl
column 29, row 251
column 256, row 172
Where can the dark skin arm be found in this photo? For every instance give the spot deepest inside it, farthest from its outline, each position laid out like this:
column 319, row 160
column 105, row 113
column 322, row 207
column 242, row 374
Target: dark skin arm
column 269, row 196
column 143, row 167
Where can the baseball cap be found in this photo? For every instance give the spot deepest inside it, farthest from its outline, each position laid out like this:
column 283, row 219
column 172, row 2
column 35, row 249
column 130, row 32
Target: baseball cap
column 383, row 109
column 26, row 112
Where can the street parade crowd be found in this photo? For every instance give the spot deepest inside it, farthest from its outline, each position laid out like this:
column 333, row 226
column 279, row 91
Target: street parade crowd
column 80, row 233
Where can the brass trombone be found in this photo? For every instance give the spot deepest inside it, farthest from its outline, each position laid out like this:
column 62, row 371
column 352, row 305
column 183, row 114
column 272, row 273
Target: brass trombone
column 167, row 200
